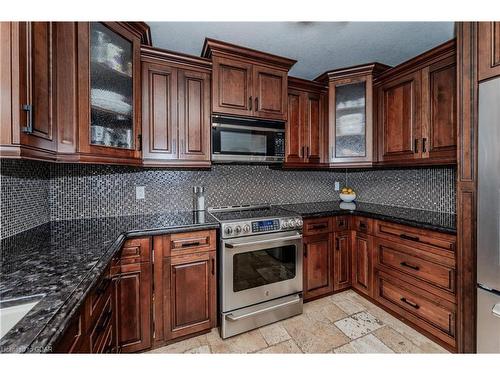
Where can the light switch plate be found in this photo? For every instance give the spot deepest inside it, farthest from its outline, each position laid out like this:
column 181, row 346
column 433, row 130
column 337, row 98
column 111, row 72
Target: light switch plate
column 337, row 186
column 140, row 192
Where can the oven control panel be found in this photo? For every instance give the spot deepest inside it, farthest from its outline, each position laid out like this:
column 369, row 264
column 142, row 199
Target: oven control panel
column 248, row 228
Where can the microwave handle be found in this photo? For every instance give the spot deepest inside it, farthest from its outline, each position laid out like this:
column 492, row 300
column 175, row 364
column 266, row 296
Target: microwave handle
column 244, row 127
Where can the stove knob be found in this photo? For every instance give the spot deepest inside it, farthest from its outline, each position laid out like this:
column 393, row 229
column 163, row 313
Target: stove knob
column 293, row 223
column 246, row 228
column 237, row 229
column 284, row 225
column 299, row 223
column 228, row 230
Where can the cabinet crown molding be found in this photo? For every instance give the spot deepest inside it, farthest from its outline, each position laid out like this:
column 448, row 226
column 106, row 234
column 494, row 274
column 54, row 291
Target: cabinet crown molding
column 141, row 29
column 152, row 53
column 416, row 63
column 212, row 47
column 305, row 84
column 373, row 68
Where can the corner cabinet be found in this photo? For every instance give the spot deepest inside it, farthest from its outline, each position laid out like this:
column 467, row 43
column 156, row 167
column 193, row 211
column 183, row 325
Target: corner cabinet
column 175, row 109
column 417, row 110
column 246, row 82
column 109, row 104
column 306, row 124
column 351, row 125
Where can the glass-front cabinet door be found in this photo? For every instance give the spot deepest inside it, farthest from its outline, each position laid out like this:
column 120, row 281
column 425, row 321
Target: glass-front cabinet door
column 351, row 120
column 109, row 72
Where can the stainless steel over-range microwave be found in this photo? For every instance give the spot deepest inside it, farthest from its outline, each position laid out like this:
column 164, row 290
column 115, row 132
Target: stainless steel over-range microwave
column 238, row 140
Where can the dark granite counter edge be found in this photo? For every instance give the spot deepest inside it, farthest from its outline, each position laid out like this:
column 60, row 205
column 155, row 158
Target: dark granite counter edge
column 416, row 224
column 54, row 328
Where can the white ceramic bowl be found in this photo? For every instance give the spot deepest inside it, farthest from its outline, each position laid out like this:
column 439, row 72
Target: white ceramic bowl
column 347, row 197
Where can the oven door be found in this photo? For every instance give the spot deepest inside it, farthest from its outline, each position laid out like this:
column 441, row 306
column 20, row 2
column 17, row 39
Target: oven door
column 260, row 268
column 240, row 143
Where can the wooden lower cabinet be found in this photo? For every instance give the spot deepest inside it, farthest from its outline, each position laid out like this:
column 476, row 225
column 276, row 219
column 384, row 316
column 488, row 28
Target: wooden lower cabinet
column 362, row 263
column 132, row 291
column 342, row 260
column 189, row 299
column 318, row 265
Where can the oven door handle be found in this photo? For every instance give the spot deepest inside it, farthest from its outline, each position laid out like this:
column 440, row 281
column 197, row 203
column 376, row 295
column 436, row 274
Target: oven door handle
column 234, row 318
column 279, row 239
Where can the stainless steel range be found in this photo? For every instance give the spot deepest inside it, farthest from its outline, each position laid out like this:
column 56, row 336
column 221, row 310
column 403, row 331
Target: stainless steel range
column 261, row 266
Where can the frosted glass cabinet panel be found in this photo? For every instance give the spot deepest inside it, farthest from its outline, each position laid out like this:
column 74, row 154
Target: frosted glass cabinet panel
column 350, row 120
column 111, row 88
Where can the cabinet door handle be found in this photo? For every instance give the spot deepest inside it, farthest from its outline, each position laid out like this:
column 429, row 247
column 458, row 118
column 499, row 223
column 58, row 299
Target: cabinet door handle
column 28, row 129
column 404, row 264
column 410, row 303
column 139, row 142
column 257, row 104
column 408, row 237
column 416, row 146
column 302, row 152
column 307, row 149
column 362, row 226
column 337, row 244
column 250, row 103
column 213, row 266
column 305, row 251
column 424, row 148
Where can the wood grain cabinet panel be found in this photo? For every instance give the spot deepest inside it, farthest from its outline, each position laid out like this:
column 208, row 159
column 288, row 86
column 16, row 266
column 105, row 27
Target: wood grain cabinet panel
column 194, row 115
column 232, row 87
column 439, row 110
column 189, row 294
column 342, row 260
column 318, row 266
column 488, row 59
column 159, row 112
column 399, row 118
column 270, row 92
column 362, row 263
column 294, row 128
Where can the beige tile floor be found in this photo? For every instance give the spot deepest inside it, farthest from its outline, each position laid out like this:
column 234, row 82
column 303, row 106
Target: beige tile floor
column 342, row 323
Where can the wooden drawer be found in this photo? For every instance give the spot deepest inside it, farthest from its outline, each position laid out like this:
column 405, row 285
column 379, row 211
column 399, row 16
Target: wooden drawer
column 97, row 332
column 340, row 223
column 362, row 224
column 134, row 250
column 415, row 237
column 317, row 226
column 98, row 297
column 434, row 315
column 438, row 271
column 191, row 242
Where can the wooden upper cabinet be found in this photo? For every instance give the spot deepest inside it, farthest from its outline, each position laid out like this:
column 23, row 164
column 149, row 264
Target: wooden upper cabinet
column 399, row 118
column 28, row 83
column 417, row 106
column 175, row 109
column 270, row 92
column 232, row 87
column 488, row 60
column 439, row 110
column 305, row 128
column 247, row 82
column 350, row 114
column 159, row 112
column 109, row 104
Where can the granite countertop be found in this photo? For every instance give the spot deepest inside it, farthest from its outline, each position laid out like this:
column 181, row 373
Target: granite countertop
column 62, row 260
column 438, row 221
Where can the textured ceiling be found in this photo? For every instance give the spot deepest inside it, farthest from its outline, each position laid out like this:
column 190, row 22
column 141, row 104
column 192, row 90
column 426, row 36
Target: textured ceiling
column 317, row 46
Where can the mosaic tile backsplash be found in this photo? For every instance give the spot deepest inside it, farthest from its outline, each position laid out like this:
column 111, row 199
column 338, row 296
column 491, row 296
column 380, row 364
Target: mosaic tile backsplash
column 46, row 191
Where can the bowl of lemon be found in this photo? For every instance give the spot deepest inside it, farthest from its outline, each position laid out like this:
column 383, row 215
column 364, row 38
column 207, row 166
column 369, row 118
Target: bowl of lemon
column 347, row 194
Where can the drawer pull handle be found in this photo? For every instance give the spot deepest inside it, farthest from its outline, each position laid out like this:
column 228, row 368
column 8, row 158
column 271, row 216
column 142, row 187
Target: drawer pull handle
column 103, row 285
column 408, row 237
column 188, row 244
column 404, row 264
column 410, row 303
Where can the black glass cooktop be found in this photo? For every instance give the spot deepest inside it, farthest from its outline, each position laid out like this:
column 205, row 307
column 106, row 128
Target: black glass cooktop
column 251, row 213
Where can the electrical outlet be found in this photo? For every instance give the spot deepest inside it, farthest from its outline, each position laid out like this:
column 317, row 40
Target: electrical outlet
column 337, row 186
column 140, row 192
